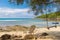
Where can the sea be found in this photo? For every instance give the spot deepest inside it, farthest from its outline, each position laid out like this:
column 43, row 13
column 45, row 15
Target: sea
column 25, row 22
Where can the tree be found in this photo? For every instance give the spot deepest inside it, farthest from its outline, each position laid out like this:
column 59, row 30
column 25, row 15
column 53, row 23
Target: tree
column 36, row 5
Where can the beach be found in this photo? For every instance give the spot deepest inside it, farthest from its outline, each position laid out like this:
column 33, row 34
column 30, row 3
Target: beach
column 54, row 33
column 28, row 29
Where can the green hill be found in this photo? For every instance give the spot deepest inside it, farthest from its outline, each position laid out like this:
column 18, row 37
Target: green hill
column 50, row 15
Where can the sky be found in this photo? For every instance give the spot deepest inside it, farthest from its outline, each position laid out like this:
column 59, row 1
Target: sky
column 10, row 10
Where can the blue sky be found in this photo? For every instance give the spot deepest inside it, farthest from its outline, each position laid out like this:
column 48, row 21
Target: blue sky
column 10, row 10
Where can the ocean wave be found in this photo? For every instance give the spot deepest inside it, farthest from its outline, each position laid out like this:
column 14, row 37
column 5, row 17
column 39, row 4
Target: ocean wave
column 10, row 20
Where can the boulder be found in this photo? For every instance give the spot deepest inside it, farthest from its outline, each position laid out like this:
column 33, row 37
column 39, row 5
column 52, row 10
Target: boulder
column 5, row 37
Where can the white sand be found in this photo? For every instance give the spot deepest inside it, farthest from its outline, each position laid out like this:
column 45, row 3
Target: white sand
column 37, row 30
column 40, row 30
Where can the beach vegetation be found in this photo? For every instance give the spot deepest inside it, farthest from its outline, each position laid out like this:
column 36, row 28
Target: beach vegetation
column 50, row 15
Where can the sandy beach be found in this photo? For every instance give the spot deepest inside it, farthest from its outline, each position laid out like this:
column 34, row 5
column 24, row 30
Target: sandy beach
column 53, row 32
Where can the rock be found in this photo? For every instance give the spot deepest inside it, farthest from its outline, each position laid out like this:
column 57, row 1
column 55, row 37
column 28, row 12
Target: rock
column 44, row 34
column 29, row 37
column 5, row 37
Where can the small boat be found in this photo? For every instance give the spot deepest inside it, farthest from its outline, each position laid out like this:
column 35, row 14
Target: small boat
column 55, row 23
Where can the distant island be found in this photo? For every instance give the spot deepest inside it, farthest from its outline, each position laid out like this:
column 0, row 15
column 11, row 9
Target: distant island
column 50, row 16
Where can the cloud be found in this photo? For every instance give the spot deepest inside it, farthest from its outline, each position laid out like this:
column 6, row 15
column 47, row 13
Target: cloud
column 10, row 12
column 13, row 11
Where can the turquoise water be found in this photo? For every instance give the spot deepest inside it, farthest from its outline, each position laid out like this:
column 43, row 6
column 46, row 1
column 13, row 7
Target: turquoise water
column 24, row 22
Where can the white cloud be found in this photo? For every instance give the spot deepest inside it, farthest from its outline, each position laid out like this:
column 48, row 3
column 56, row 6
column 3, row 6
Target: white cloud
column 10, row 12
column 13, row 11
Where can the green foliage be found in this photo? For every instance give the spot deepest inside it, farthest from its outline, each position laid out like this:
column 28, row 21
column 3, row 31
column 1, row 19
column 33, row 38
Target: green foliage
column 42, row 16
column 50, row 15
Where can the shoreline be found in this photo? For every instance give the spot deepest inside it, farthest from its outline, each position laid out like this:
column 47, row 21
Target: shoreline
column 19, row 28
